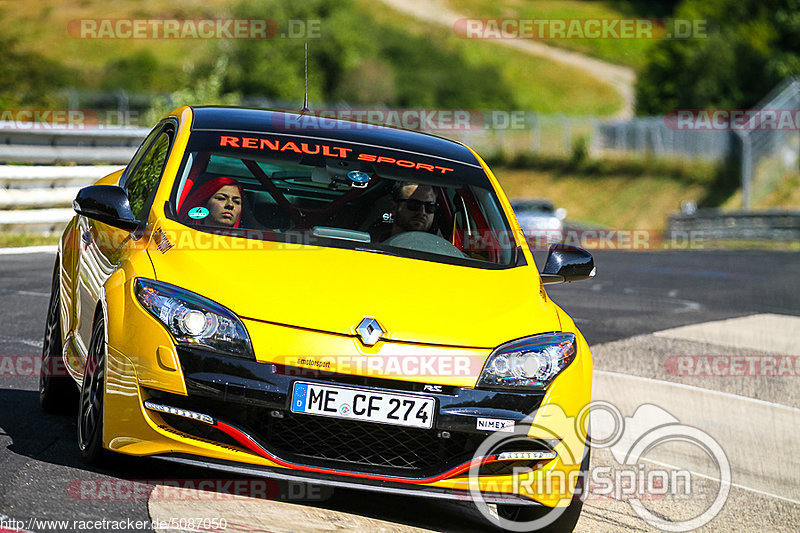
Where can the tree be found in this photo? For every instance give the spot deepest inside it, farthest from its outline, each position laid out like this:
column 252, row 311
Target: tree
column 751, row 46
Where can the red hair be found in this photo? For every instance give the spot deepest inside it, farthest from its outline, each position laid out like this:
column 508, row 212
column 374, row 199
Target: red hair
column 199, row 197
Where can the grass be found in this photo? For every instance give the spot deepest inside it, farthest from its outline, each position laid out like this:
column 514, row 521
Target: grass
column 537, row 84
column 14, row 240
column 624, row 202
column 42, row 27
column 774, row 187
column 617, row 193
column 629, row 52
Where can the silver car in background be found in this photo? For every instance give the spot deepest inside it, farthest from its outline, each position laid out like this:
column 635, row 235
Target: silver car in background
column 541, row 222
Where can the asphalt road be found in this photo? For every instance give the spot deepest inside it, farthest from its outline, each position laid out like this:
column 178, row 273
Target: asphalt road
column 641, row 292
column 634, row 294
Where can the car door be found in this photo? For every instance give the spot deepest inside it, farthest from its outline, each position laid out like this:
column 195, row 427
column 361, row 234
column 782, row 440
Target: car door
column 103, row 248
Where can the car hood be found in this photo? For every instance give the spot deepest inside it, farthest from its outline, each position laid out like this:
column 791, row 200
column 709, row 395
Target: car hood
column 331, row 290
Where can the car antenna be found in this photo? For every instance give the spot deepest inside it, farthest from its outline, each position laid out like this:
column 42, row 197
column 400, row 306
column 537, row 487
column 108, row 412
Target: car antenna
column 305, row 97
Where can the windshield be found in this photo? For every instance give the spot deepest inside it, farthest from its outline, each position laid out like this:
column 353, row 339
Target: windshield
column 533, row 208
column 338, row 194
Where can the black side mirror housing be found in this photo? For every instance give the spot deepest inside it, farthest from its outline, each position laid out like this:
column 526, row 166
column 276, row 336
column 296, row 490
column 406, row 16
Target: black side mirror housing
column 567, row 263
column 108, row 204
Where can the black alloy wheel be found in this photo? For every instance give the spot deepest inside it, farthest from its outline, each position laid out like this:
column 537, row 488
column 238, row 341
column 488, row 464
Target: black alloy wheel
column 56, row 389
column 90, row 407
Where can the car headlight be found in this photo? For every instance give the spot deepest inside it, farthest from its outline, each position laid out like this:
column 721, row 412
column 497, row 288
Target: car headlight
column 193, row 319
column 532, row 362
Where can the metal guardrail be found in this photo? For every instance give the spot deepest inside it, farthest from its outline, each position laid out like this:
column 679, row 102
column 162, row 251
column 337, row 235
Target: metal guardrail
column 49, row 145
column 715, row 225
column 37, row 198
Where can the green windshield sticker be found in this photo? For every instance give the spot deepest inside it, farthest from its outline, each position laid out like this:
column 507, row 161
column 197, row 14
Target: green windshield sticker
column 198, row 212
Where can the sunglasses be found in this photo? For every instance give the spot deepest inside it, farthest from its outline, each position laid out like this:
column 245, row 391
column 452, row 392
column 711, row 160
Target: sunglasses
column 416, row 205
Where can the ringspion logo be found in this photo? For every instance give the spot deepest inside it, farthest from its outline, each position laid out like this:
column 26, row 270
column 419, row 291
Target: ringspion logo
column 630, row 440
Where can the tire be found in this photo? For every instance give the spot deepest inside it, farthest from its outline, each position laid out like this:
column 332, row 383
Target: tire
column 92, row 399
column 566, row 522
column 57, row 390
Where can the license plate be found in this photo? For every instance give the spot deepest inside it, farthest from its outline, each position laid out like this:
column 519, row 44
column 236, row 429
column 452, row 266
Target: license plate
column 361, row 404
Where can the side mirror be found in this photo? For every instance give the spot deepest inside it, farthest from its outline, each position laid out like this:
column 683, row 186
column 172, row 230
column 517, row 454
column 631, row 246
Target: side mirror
column 567, row 263
column 108, row 204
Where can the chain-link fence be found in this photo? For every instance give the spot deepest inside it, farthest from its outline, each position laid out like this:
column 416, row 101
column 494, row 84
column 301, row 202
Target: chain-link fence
column 654, row 136
column 771, row 148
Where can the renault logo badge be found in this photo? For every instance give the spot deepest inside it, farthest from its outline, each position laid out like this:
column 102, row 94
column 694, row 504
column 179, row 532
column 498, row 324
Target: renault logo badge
column 370, row 331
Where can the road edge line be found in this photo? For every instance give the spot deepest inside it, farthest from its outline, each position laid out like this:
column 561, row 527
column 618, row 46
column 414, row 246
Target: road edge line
column 49, row 248
column 700, row 389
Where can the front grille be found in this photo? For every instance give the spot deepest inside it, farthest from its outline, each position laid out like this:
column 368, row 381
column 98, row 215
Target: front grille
column 339, row 444
column 362, row 446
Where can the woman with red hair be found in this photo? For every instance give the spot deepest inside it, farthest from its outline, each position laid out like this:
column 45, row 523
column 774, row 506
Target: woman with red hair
column 217, row 202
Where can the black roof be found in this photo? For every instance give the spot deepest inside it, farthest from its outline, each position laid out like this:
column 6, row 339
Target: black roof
column 310, row 125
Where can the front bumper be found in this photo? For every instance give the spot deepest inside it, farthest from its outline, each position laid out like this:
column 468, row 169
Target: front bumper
column 254, row 432
column 254, row 399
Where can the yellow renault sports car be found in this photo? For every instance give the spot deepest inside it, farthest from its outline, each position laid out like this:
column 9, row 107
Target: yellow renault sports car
column 298, row 297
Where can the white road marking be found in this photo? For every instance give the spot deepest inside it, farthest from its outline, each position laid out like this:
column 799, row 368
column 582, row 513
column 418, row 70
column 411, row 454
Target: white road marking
column 763, row 332
column 27, row 342
column 33, row 293
column 48, row 249
column 752, row 433
column 700, row 389
column 712, row 478
column 688, row 305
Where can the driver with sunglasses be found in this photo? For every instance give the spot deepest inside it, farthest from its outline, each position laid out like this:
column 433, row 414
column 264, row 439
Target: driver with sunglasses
column 413, row 207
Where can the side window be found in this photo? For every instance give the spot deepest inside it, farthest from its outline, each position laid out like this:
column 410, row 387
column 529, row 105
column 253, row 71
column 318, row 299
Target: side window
column 141, row 151
column 142, row 183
